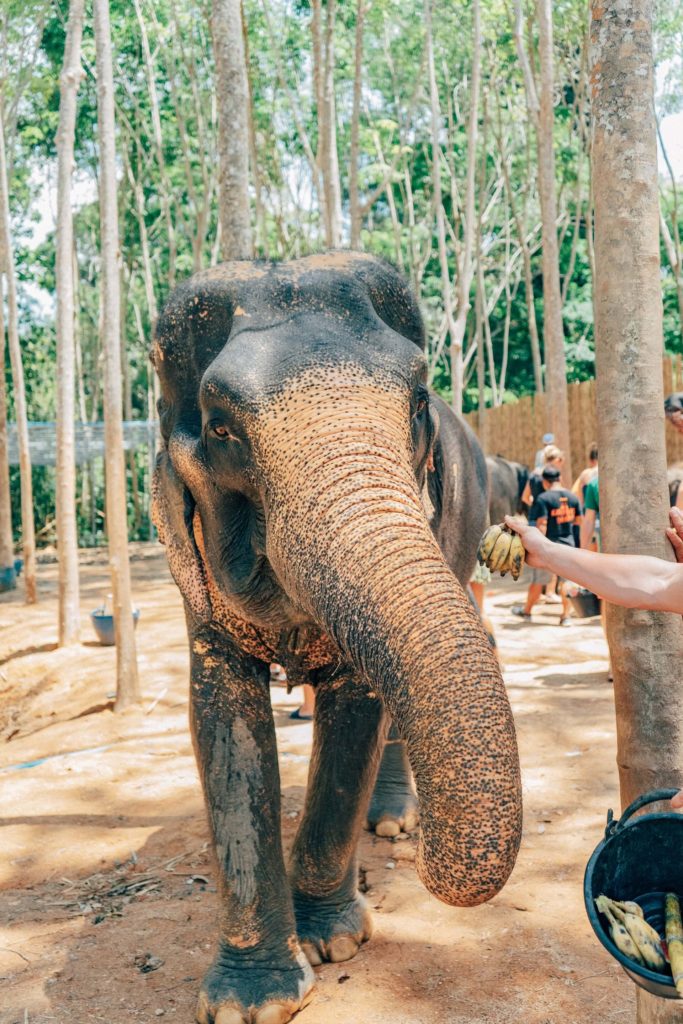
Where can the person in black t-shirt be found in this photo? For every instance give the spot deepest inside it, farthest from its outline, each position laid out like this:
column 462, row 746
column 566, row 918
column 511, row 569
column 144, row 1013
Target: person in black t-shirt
column 557, row 513
column 552, row 456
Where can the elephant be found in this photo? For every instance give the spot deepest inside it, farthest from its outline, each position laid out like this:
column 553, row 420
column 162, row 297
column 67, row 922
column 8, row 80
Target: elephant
column 320, row 508
column 507, row 481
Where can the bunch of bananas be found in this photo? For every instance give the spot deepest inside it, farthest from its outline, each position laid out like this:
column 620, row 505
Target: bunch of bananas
column 501, row 549
column 631, row 933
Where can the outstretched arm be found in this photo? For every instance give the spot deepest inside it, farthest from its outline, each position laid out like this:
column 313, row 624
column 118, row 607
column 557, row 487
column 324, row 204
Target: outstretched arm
column 633, row 581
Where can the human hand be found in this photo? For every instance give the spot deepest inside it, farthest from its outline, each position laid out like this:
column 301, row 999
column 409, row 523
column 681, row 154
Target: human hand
column 535, row 544
column 675, row 533
column 677, row 801
column 676, row 420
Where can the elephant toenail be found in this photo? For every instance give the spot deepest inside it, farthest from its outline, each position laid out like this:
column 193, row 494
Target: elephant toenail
column 312, row 954
column 202, row 1013
column 342, row 947
column 387, row 828
column 229, row 1015
column 275, row 1013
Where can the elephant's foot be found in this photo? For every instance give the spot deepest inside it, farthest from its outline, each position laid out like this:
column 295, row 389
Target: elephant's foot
column 234, row 993
column 393, row 809
column 331, row 931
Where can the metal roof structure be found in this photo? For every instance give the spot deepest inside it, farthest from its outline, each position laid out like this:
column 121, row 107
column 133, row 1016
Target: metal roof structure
column 42, row 438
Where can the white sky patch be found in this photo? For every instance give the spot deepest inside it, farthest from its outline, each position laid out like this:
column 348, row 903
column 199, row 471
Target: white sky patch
column 672, row 133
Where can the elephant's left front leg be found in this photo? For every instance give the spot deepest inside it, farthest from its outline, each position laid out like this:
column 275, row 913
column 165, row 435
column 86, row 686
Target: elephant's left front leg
column 332, row 917
column 260, row 974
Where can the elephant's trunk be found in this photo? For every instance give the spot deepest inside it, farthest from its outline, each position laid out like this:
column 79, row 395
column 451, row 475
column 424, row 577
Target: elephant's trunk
column 341, row 495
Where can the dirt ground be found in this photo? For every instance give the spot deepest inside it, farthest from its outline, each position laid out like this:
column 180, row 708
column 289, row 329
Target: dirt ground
column 108, row 895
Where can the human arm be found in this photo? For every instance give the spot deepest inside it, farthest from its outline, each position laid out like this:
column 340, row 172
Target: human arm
column 577, row 486
column 587, row 527
column 526, row 498
column 632, row 581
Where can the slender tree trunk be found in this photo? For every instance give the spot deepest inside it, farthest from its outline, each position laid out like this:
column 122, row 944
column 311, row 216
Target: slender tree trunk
column 553, row 333
column 9, row 578
column 646, row 647
column 446, row 287
column 323, row 84
column 466, row 267
column 165, row 190
column 127, row 690
column 19, row 391
column 354, row 198
column 233, row 130
column 67, row 535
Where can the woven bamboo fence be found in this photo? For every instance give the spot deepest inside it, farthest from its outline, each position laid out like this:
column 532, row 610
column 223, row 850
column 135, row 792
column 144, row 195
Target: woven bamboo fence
column 515, row 430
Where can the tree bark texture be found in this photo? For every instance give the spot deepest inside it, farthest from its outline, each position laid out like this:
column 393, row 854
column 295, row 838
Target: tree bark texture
column 67, row 536
column 19, row 391
column 646, row 648
column 127, row 691
column 6, row 539
column 553, row 334
column 233, row 130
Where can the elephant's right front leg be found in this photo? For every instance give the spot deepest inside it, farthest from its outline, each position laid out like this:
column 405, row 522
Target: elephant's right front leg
column 260, row 974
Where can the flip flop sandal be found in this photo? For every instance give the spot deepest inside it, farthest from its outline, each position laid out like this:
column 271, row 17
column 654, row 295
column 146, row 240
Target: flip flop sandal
column 296, row 714
column 518, row 610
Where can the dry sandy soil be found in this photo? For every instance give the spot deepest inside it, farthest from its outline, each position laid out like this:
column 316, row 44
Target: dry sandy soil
column 105, row 861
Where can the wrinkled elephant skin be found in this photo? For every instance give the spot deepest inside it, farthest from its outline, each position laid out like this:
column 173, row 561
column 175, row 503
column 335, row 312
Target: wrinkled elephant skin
column 321, row 509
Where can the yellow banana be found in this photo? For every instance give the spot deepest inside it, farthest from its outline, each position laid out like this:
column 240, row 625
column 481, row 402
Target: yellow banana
column 501, row 550
column 629, row 907
column 674, row 938
column 620, row 936
column 517, row 555
column 487, row 542
column 645, row 937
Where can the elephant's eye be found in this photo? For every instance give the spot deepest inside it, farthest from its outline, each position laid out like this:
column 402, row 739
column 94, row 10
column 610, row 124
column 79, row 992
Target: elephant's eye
column 222, row 432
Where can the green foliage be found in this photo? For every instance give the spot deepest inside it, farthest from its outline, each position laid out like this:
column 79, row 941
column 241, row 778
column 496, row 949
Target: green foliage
column 168, row 181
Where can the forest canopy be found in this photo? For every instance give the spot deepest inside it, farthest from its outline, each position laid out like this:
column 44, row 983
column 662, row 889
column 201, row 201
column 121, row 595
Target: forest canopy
column 342, row 150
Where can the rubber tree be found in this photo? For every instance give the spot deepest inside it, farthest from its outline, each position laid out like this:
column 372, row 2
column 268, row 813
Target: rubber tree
column 67, row 536
column 646, row 648
column 18, row 387
column 127, row 690
column 232, row 96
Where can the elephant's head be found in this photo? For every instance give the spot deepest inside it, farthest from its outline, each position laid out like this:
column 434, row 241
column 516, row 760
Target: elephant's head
column 298, row 426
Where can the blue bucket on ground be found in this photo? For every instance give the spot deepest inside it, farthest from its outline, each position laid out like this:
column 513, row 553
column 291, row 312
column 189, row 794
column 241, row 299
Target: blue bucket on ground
column 639, row 860
column 8, row 579
column 103, row 624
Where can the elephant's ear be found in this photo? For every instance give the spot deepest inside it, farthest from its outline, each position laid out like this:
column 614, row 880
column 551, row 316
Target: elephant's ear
column 173, row 513
column 391, row 297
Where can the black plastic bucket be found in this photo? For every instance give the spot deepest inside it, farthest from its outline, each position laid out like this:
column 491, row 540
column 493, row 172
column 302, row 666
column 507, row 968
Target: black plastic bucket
column 638, row 860
column 585, row 604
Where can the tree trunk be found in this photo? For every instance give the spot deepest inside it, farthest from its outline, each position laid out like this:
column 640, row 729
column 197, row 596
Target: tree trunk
column 646, row 647
column 553, row 333
column 446, row 287
column 466, row 267
column 67, row 536
column 20, row 413
column 233, row 130
column 354, row 198
column 127, row 690
column 8, row 578
column 323, row 83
